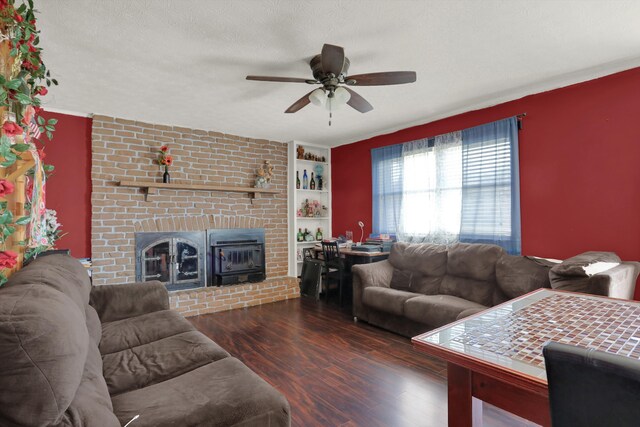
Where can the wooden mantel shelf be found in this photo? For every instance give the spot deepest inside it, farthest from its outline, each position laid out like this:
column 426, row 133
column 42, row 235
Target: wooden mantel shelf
column 151, row 188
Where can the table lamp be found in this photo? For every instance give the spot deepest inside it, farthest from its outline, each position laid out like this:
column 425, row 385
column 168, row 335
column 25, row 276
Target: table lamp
column 361, row 225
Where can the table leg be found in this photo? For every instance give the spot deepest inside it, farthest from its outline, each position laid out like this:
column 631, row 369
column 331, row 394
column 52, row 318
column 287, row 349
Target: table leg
column 463, row 409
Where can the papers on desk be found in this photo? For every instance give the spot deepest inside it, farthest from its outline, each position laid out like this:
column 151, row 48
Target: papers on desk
column 367, row 248
column 340, row 245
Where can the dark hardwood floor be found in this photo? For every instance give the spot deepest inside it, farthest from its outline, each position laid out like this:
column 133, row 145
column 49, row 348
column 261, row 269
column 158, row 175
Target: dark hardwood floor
column 335, row 372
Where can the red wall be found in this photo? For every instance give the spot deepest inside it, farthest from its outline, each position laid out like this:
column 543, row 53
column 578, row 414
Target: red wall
column 69, row 188
column 579, row 167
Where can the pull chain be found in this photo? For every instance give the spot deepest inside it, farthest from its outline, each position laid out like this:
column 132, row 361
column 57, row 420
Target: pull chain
column 330, row 111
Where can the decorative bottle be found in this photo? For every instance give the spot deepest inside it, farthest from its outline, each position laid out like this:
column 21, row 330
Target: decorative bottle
column 299, row 237
column 319, row 234
column 305, row 180
column 319, row 182
column 166, row 178
column 312, row 184
column 297, row 180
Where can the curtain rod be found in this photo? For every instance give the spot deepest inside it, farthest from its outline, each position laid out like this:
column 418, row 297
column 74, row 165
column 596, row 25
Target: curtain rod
column 519, row 118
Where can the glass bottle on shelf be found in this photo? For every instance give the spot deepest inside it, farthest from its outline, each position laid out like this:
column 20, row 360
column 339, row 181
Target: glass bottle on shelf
column 312, row 183
column 319, row 183
column 319, row 234
column 300, row 237
column 297, row 180
column 305, row 180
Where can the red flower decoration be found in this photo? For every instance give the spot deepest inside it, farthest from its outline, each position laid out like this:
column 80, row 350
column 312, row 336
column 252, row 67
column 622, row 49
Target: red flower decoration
column 42, row 90
column 8, row 259
column 164, row 148
column 11, row 129
column 18, row 17
column 6, row 187
column 4, row 3
column 168, row 160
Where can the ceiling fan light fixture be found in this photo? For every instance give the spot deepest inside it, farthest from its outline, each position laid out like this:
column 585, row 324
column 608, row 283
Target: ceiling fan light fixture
column 341, row 95
column 318, row 97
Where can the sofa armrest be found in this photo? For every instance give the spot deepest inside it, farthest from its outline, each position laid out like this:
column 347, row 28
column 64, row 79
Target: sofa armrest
column 618, row 282
column 116, row 302
column 365, row 275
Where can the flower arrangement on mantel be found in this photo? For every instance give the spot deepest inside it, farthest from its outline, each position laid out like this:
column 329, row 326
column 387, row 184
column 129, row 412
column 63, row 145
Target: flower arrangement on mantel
column 264, row 174
column 23, row 80
column 164, row 159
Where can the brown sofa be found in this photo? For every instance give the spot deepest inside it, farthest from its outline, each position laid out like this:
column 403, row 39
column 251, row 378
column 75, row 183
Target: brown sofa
column 76, row 355
column 425, row 286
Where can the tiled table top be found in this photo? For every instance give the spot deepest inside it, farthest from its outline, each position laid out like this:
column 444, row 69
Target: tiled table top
column 512, row 335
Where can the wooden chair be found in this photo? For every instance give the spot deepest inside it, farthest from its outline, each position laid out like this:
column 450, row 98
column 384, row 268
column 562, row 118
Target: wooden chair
column 333, row 268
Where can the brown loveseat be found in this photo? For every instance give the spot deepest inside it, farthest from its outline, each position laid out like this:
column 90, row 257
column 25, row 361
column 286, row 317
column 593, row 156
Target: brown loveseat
column 425, row 286
column 73, row 355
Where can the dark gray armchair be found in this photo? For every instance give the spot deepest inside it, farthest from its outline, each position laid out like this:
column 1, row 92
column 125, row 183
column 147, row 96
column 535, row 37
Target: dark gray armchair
column 589, row 388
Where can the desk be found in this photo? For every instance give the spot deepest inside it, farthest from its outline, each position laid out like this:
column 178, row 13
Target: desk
column 352, row 258
column 360, row 256
column 496, row 355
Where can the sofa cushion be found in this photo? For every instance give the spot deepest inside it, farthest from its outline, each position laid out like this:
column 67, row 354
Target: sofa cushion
column 437, row 310
column 401, row 280
column 94, row 327
column 158, row 361
column 478, row 291
column 43, row 350
column 473, row 261
column 136, row 331
column 573, row 275
column 386, row 299
column 223, row 393
column 91, row 406
column 424, row 258
column 518, row 275
column 576, row 265
column 60, row 272
column 416, row 282
column 469, row 312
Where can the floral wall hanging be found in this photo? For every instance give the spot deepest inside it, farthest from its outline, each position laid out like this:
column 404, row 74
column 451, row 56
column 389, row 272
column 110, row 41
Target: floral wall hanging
column 25, row 225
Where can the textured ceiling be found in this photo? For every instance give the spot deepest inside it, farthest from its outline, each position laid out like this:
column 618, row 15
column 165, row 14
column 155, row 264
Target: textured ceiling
column 184, row 62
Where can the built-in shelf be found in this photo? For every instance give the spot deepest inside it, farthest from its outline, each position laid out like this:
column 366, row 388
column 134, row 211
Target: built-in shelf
column 305, row 242
column 151, row 188
column 302, row 190
column 312, row 162
column 298, row 196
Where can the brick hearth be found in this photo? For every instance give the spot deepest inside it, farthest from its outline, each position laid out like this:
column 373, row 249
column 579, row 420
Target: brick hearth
column 126, row 150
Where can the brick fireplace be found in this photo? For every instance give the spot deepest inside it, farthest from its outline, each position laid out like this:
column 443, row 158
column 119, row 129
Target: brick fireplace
column 125, row 150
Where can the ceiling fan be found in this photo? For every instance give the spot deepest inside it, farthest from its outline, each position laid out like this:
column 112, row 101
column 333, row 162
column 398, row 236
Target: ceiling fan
column 330, row 70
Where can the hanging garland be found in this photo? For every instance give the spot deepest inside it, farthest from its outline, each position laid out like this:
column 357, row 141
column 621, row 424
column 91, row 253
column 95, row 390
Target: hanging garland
column 23, row 80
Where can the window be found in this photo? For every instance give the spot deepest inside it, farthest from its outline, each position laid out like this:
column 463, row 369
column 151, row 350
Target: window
column 461, row 186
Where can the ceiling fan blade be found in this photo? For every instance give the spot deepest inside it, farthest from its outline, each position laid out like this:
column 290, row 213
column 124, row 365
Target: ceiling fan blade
column 358, row 102
column 277, row 79
column 332, row 59
column 385, row 78
column 299, row 104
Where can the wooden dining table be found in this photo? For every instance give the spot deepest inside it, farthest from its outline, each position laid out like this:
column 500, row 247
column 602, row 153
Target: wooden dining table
column 496, row 356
